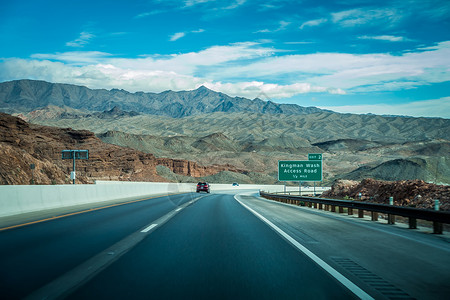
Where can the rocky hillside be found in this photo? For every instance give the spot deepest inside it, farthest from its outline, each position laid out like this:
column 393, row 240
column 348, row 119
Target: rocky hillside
column 327, row 130
column 28, row 95
column 23, row 144
column 252, row 135
column 354, row 146
column 414, row 193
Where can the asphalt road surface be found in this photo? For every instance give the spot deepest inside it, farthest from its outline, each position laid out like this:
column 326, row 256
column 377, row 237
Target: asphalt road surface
column 203, row 246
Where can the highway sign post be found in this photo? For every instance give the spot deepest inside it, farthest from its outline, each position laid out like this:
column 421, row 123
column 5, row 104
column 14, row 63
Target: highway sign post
column 32, row 167
column 315, row 156
column 74, row 154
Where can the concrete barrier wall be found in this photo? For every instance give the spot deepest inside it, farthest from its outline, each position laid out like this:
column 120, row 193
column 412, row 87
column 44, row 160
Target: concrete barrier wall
column 18, row 199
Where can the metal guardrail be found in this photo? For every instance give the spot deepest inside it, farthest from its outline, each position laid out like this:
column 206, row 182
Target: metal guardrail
column 413, row 214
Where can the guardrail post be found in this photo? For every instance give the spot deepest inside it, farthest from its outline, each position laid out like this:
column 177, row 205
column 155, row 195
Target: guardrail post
column 341, row 209
column 350, row 211
column 315, row 205
column 360, row 213
column 374, row 215
column 320, row 205
column 437, row 227
column 391, row 218
column 412, row 223
column 327, row 207
column 333, row 208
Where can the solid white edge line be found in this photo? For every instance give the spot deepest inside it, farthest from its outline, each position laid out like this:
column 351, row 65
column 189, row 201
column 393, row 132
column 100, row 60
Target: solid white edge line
column 149, row 228
column 338, row 276
column 178, row 209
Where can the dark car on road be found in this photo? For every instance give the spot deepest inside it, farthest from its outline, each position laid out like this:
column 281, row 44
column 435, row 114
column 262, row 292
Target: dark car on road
column 202, row 187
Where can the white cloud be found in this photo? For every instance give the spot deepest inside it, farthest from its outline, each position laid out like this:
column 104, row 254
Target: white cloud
column 313, row 23
column 203, row 6
column 109, row 76
column 361, row 72
column 81, row 41
column 360, row 16
column 252, row 89
column 149, row 13
column 390, row 38
column 186, row 63
column 177, row 36
column 97, row 76
column 267, row 6
column 236, row 4
column 282, row 25
column 429, row 108
column 189, row 3
column 241, row 69
column 75, row 57
column 298, row 43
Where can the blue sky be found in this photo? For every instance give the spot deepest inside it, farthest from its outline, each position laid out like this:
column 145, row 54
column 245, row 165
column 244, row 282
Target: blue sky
column 382, row 57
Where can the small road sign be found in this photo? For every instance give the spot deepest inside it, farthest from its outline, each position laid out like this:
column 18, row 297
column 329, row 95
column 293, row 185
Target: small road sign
column 315, row 156
column 302, row 170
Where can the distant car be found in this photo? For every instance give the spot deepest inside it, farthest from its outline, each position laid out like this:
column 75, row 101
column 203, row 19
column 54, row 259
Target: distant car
column 202, row 187
column 235, row 184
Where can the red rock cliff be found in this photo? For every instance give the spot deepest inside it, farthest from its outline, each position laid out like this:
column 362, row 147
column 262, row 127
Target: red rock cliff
column 22, row 144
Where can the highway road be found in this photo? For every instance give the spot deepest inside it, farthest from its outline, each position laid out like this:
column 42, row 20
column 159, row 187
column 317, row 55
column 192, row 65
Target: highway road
column 220, row 245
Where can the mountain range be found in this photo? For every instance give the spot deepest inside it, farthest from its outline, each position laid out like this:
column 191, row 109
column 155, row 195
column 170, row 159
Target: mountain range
column 28, row 95
column 211, row 128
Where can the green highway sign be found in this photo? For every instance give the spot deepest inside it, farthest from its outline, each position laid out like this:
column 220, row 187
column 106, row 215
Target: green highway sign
column 299, row 170
column 315, row 156
column 75, row 154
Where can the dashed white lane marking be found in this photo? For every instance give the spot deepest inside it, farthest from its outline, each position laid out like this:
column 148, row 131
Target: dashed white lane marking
column 62, row 286
column 341, row 278
column 178, row 209
column 149, row 228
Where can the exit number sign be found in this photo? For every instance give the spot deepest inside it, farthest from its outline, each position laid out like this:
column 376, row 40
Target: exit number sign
column 315, row 156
